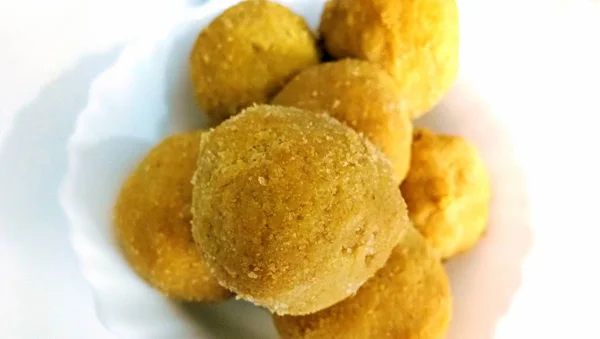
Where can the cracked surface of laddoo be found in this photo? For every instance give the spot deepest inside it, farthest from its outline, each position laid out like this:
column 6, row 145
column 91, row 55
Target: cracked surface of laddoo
column 447, row 191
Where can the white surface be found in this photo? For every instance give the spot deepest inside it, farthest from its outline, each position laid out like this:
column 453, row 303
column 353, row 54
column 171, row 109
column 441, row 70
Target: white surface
column 42, row 293
column 45, row 70
column 40, row 39
column 549, row 44
column 30, row 48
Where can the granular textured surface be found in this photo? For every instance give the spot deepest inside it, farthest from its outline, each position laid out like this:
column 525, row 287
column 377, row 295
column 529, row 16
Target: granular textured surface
column 153, row 222
column 409, row 298
column 247, row 54
column 294, row 211
column 415, row 40
column 361, row 95
column 447, row 191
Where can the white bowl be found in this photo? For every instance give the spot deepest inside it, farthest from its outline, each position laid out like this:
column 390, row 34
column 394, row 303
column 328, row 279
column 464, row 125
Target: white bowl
column 147, row 95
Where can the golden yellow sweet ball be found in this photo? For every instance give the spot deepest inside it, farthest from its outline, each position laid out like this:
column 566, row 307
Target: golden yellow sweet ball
column 408, row 298
column 447, row 191
column 363, row 96
column 152, row 219
column 293, row 210
column 247, row 54
column 415, row 40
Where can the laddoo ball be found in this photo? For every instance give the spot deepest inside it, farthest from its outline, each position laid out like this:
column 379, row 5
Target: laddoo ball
column 247, row 54
column 363, row 96
column 409, row 298
column 447, row 191
column 416, row 41
column 152, row 219
column 293, row 210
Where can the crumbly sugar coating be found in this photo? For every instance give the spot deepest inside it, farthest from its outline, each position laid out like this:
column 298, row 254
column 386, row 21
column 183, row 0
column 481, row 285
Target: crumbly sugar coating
column 294, row 211
column 415, row 40
column 361, row 95
column 409, row 298
column 152, row 221
column 247, row 54
column 447, row 191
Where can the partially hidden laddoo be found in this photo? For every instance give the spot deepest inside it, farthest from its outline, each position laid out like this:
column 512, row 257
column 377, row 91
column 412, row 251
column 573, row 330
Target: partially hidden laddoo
column 361, row 95
column 247, row 54
column 294, row 211
column 416, row 41
column 447, row 191
column 152, row 219
column 409, row 298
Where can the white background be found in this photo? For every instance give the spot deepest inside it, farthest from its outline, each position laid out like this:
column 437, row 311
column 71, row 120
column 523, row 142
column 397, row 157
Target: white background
column 49, row 53
column 51, row 50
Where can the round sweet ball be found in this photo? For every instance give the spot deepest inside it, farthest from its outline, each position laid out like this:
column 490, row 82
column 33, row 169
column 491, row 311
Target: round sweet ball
column 408, row 298
column 247, row 54
column 363, row 96
column 293, row 210
column 447, row 191
column 416, row 41
column 152, row 219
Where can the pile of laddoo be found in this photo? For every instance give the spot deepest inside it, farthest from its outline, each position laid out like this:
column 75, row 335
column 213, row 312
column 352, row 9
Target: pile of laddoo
column 312, row 195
